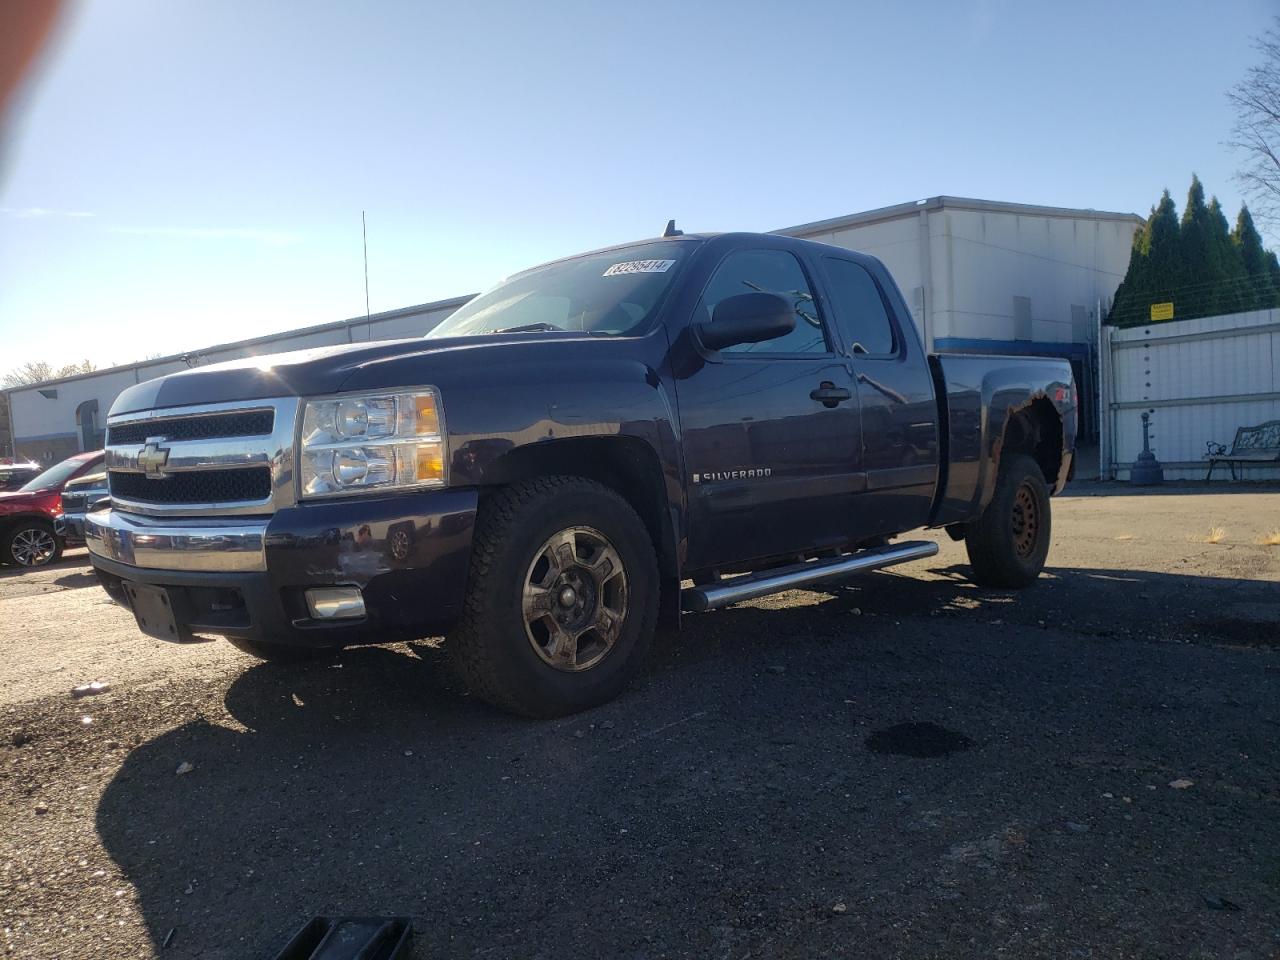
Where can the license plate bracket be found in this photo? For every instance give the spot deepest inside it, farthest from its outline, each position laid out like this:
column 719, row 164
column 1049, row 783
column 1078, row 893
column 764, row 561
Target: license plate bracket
column 153, row 610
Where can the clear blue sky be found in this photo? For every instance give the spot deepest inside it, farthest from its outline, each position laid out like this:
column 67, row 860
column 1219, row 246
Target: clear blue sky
column 182, row 174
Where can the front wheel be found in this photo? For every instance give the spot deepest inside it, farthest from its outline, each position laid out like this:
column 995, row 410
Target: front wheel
column 562, row 598
column 30, row 543
column 1009, row 543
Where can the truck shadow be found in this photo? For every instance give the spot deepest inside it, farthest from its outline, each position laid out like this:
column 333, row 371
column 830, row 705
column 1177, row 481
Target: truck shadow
column 72, row 567
column 373, row 785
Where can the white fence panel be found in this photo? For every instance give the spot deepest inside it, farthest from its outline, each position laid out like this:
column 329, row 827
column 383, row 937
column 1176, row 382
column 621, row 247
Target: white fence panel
column 1199, row 379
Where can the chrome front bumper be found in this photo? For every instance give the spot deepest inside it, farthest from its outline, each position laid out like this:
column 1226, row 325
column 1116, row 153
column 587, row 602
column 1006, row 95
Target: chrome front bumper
column 165, row 544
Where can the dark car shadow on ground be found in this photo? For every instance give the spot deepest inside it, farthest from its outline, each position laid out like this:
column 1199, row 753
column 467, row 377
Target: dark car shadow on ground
column 75, row 563
column 728, row 801
column 81, row 575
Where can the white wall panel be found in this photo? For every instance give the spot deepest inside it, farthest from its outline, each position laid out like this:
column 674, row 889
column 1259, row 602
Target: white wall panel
column 1165, row 368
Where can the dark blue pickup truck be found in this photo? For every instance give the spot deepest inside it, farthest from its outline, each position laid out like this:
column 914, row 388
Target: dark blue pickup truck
column 571, row 459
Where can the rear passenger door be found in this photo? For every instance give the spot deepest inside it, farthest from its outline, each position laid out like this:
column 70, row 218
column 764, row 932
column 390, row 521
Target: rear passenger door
column 895, row 393
column 770, row 430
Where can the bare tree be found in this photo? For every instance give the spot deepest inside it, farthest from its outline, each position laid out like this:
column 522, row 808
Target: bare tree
column 37, row 371
column 1256, row 133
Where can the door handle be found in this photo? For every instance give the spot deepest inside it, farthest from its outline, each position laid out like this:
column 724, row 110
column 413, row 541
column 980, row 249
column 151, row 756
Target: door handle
column 830, row 394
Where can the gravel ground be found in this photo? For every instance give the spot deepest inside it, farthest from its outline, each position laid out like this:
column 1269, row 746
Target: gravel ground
column 1105, row 779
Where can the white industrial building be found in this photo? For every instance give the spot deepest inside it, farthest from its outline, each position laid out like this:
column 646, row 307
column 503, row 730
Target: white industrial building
column 980, row 276
column 57, row 418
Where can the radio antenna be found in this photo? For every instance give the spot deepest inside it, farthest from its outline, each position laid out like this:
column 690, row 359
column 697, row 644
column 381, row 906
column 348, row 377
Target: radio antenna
column 364, row 237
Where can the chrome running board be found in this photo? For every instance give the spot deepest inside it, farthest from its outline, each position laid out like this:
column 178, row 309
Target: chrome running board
column 722, row 593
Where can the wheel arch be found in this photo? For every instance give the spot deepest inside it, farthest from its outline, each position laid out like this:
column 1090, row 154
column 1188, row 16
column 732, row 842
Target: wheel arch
column 11, row 520
column 628, row 465
column 1036, row 430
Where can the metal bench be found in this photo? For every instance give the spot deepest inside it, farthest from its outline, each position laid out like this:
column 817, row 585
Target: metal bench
column 1252, row 447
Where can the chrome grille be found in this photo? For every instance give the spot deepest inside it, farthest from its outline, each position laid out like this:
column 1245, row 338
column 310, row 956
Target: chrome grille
column 221, row 459
column 198, row 486
column 255, row 423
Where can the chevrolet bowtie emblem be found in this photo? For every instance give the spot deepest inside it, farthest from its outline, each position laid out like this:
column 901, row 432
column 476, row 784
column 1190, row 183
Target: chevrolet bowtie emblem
column 152, row 459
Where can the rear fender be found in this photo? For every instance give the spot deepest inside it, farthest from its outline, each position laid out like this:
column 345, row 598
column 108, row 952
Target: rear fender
column 996, row 405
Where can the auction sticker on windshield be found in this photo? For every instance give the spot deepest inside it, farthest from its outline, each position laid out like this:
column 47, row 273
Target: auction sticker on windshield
column 639, row 266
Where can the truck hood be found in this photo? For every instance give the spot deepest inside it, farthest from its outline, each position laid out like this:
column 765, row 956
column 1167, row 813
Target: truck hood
column 314, row 372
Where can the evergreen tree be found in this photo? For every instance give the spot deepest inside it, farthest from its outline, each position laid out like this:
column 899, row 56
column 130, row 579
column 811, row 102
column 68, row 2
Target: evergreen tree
column 1273, row 269
column 1196, row 263
column 1124, row 303
column 1164, row 253
column 1261, row 290
column 1154, row 266
column 1198, row 282
column 1231, row 292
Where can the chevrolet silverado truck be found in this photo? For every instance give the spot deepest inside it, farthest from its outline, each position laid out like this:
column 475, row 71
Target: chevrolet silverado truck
column 573, row 458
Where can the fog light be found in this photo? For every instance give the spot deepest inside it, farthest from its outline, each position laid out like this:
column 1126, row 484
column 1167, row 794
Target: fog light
column 335, row 603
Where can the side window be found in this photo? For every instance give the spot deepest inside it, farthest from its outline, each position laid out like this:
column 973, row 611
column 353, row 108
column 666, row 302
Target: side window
column 859, row 308
column 769, row 271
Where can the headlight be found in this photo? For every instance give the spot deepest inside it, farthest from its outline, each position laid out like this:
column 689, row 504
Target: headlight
column 372, row 442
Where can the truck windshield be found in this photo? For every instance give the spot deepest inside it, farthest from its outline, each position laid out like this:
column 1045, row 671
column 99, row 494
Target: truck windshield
column 607, row 293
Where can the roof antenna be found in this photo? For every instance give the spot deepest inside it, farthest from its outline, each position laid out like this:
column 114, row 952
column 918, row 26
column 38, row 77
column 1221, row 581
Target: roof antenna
column 364, row 240
column 671, row 230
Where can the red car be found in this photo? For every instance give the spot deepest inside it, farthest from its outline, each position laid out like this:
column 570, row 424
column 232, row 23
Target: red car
column 27, row 537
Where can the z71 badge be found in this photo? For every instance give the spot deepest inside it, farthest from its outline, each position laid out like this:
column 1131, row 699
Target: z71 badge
column 752, row 474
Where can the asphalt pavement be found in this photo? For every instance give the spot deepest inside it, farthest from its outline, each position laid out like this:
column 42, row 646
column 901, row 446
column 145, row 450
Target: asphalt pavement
column 902, row 765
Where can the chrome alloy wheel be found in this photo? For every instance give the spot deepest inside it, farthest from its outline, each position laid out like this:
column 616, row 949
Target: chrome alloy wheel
column 33, row 547
column 575, row 599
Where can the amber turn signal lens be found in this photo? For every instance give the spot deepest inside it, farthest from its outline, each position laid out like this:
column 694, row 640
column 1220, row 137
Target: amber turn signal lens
column 430, row 462
column 426, row 417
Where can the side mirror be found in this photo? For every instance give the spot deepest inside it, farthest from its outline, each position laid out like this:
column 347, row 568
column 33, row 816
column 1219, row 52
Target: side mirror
column 747, row 318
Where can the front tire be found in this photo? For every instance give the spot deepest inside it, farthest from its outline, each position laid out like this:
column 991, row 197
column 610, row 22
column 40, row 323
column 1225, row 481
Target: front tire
column 30, row 543
column 1009, row 543
column 562, row 598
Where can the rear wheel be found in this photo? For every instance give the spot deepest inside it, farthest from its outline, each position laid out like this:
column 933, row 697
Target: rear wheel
column 1009, row 543
column 30, row 543
column 562, row 598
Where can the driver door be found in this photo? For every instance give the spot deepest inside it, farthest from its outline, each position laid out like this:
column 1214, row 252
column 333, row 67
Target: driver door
column 771, row 430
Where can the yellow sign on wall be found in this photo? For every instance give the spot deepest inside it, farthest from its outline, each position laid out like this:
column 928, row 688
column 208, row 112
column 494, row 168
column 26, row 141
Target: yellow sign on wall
column 1162, row 311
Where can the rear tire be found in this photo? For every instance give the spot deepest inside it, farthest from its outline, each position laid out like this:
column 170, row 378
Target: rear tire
column 281, row 652
column 1009, row 543
column 562, row 598
column 30, row 543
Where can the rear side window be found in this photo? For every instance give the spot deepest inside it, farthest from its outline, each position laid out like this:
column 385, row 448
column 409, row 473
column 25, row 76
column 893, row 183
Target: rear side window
column 859, row 308
column 769, row 271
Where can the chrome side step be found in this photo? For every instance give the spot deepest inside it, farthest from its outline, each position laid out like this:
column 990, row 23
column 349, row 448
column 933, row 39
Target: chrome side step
column 716, row 595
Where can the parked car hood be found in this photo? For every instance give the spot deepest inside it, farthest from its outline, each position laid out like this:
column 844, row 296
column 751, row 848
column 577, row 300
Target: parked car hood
column 10, row 499
column 317, row 371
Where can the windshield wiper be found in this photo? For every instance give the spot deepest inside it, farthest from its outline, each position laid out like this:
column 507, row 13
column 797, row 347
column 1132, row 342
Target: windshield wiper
column 530, row 328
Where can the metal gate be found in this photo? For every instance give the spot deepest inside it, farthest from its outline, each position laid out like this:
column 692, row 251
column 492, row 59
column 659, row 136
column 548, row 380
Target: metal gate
column 1199, row 379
